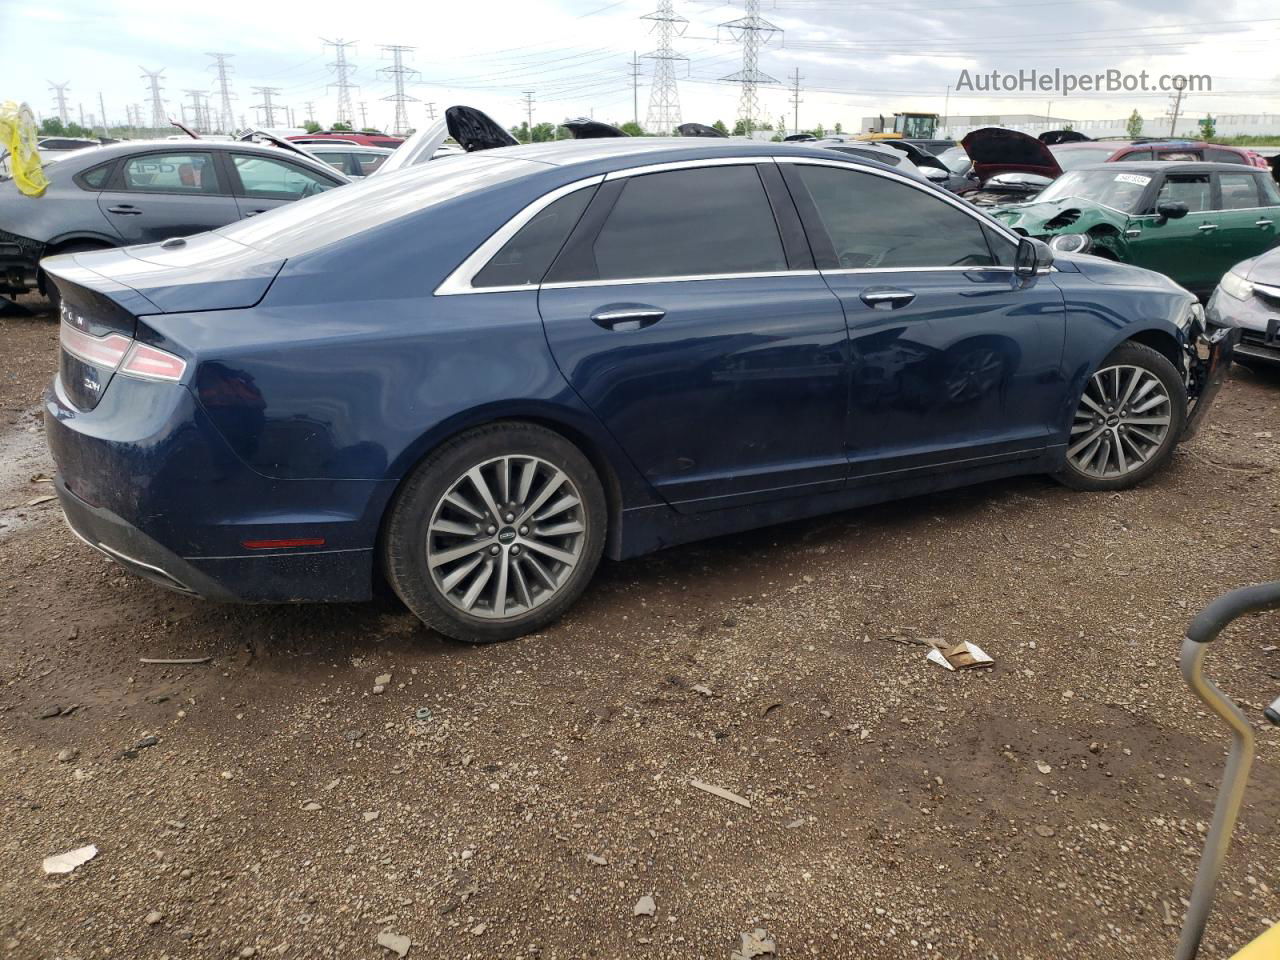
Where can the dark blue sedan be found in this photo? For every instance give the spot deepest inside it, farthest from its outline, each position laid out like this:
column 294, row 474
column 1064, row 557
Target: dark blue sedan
column 472, row 378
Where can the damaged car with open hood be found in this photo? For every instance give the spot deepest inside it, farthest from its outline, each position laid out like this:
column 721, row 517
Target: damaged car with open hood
column 1189, row 221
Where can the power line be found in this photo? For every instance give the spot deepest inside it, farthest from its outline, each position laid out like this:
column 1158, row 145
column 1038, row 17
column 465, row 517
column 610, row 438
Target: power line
column 664, row 96
column 197, row 118
column 158, row 118
column 102, row 108
column 528, row 107
column 753, row 32
column 226, row 120
column 796, row 101
column 267, row 107
column 342, row 71
column 635, row 88
column 59, row 91
column 398, row 72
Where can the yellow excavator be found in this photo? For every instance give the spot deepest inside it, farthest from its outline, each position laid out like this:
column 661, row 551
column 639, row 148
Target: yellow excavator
column 906, row 126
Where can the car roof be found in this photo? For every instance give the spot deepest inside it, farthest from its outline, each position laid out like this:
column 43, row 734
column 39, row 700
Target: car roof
column 646, row 150
column 91, row 156
column 1180, row 166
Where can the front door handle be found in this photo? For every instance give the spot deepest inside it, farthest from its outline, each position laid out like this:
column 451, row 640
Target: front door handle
column 1262, row 223
column 1207, row 227
column 887, row 299
column 125, row 209
column 625, row 318
column 254, row 213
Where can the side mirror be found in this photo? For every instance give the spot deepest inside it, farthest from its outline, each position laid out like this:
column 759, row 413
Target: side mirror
column 936, row 174
column 1033, row 256
column 1172, row 210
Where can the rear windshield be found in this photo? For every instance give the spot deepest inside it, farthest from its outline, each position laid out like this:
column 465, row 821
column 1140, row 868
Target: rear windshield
column 306, row 225
column 1072, row 158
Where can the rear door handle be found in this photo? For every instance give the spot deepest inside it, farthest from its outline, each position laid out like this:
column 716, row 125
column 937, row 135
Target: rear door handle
column 254, row 213
column 1262, row 223
column 627, row 318
column 1207, row 227
column 125, row 209
column 887, row 299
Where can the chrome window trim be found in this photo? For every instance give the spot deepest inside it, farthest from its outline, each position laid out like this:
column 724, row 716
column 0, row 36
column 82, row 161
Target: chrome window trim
column 459, row 281
column 573, row 284
column 970, row 269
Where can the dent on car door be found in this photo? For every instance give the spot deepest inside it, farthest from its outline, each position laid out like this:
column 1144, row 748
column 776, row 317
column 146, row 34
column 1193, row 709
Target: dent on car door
column 154, row 196
column 953, row 357
column 265, row 182
column 702, row 338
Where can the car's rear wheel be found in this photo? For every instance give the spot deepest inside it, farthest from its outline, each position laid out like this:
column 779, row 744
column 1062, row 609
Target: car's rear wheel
column 1127, row 421
column 496, row 533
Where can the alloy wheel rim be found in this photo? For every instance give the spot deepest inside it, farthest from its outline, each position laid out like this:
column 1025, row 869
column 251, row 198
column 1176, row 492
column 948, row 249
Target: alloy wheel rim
column 1122, row 421
column 506, row 537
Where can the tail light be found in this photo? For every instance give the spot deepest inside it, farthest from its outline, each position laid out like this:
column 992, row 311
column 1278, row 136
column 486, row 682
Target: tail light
column 115, row 352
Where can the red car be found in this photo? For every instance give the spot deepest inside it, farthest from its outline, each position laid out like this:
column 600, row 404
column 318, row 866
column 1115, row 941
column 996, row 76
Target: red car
column 348, row 136
column 1073, row 155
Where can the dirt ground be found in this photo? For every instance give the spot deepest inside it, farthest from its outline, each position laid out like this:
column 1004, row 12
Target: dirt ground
column 519, row 800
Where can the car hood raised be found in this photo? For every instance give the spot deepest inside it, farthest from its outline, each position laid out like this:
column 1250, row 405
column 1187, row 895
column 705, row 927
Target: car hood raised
column 997, row 150
column 205, row 272
column 1065, row 215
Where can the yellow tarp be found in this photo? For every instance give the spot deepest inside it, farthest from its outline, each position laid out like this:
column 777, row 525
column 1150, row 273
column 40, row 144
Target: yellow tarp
column 1266, row 947
column 18, row 136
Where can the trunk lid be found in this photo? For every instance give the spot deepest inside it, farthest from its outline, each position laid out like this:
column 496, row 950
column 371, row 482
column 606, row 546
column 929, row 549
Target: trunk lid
column 997, row 150
column 104, row 292
column 204, row 272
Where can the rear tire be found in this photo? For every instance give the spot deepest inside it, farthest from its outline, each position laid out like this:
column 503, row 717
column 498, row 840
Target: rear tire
column 1127, row 422
column 496, row 533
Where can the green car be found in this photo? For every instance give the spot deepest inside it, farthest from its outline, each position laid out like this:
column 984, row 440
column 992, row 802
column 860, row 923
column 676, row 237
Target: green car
column 1189, row 221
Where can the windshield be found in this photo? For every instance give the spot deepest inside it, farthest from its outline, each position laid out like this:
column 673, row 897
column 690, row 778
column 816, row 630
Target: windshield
column 1073, row 158
column 1120, row 190
column 956, row 159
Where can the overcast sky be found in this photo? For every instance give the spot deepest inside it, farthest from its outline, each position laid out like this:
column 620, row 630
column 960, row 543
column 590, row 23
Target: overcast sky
column 856, row 59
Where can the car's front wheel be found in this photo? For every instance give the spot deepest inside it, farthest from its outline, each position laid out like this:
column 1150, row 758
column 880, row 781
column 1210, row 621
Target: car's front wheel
column 496, row 533
column 1127, row 421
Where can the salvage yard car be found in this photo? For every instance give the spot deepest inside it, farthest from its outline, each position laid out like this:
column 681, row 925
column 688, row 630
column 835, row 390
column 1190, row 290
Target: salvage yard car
column 474, row 377
column 1248, row 299
column 143, row 191
column 1190, row 221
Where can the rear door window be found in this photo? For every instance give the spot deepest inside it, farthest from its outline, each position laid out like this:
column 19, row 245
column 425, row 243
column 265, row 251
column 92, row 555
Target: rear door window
column 878, row 223
column 702, row 221
column 186, row 172
column 1239, row 191
column 273, row 178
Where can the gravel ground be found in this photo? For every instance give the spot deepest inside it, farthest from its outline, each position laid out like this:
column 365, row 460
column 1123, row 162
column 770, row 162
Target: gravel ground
column 520, row 800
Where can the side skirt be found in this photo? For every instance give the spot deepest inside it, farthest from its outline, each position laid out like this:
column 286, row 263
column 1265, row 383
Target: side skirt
column 647, row 529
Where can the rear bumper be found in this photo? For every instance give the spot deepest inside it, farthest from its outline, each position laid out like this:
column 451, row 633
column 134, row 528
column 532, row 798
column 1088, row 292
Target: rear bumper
column 324, row 576
column 147, row 481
